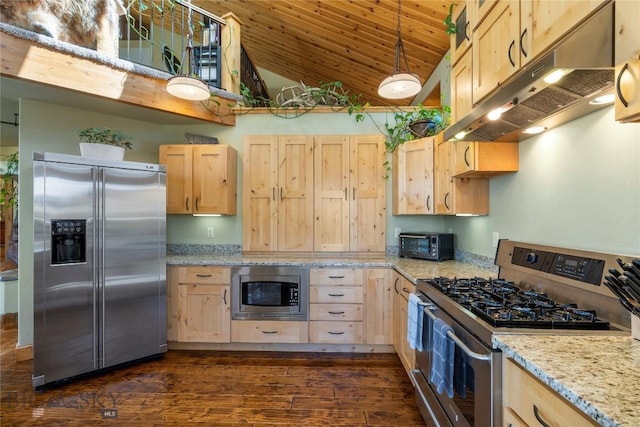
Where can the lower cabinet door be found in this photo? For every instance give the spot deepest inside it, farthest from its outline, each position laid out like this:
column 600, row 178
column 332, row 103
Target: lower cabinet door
column 203, row 313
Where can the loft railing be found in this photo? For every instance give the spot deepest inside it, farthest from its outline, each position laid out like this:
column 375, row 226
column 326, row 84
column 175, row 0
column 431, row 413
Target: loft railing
column 155, row 33
column 250, row 77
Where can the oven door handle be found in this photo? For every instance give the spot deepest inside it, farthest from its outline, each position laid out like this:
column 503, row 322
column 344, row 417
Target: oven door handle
column 459, row 343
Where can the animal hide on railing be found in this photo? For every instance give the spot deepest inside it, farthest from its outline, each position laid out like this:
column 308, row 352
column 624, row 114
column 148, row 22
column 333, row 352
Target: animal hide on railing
column 88, row 23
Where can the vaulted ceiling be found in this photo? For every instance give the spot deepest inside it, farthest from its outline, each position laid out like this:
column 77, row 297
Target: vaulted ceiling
column 351, row 41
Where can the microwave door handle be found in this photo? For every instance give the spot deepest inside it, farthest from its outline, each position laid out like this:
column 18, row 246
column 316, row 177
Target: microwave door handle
column 459, row 343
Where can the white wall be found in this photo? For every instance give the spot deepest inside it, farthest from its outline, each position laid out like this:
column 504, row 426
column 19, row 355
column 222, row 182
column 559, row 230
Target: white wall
column 578, row 186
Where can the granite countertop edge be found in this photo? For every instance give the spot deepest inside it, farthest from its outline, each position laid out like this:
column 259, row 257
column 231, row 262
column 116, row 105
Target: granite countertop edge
column 523, row 358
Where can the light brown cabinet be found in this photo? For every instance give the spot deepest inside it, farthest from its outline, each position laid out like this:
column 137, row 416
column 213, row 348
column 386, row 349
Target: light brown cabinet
column 336, row 305
column 379, row 294
column 484, row 159
column 277, row 212
column 198, row 305
column 350, row 193
column 453, row 195
column 402, row 288
column 627, row 73
column 515, row 32
column 528, row 401
column 201, row 179
column 413, row 177
column 460, row 41
column 462, row 87
column 269, row 332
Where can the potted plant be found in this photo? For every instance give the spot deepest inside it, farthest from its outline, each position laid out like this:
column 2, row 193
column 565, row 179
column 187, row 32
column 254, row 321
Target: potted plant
column 103, row 143
column 419, row 123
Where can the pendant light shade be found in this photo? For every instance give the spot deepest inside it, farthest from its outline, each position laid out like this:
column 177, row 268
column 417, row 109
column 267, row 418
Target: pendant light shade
column 399, row 84
column 186, row 86
column 189, row 88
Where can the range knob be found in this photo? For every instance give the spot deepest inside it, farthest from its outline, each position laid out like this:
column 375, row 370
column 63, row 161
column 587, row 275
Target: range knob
column 532, row 257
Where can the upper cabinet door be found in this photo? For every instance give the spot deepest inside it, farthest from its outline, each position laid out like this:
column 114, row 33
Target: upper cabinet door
column 495, row 48
column 259, row 172
column 543, row 22
column 368, row 194
column 331, row 171
column 478, row 9
column 413, row 178
column 461, row 39
column 462, row 88
column 179, row 162
column 214, row 179
column 295, row 193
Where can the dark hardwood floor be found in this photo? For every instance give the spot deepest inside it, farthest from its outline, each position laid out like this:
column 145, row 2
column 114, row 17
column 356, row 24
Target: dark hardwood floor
column 217, row 388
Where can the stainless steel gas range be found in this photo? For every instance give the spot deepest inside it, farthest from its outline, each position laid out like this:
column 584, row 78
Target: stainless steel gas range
column 539, row 289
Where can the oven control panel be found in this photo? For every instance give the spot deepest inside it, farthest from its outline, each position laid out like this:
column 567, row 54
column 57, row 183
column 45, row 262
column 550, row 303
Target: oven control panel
column 587, row 270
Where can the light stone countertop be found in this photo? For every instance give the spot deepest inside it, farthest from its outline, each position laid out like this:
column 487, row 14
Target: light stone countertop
column 600, row 375
column 412, row 269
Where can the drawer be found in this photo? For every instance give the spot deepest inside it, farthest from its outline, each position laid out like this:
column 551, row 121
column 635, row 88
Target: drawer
column 203, row 274
column 337, row 294
column 336, row 332
column 344, row 312
column 336, row 276
column 525, row 395
column 269, row 331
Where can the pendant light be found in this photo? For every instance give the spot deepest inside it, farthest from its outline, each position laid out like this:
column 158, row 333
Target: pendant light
column 400, row 84
column 187, row 86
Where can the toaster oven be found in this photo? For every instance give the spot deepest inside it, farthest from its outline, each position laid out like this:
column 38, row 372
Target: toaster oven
column 426, row 245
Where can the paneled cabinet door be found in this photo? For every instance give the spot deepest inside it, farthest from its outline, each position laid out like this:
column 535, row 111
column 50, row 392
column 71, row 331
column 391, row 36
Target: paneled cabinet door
column 350, row 194
column 495, row 48
column 443, row 191
column 368, row 204
column 458, row 195
column 462, row 87
column 278, row 193
column 413, row 177
column 402, row 288
column 378, row 304
column 543, row 22
column 179, row 162
column 201, row 179
column 214, row 179
column 198, row 304
column 204, row 313
column 461, row 40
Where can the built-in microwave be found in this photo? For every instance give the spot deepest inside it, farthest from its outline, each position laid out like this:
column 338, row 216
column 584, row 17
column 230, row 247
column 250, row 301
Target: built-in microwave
column 426, row 245
column 269, row 292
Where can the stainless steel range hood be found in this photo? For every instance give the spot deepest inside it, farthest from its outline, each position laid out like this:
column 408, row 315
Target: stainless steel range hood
column 586, row 55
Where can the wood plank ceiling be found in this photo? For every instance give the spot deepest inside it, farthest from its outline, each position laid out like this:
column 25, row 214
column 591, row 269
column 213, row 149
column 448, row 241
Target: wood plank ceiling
column 351, row 41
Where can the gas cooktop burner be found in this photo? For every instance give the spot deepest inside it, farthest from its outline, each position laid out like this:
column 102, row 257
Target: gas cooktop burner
column 503, row 304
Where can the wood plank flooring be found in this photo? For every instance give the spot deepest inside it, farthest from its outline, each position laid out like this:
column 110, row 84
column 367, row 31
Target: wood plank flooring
column 217, row 388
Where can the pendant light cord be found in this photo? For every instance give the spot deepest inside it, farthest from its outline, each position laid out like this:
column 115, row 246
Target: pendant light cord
column 400, row 47
column 192, row 59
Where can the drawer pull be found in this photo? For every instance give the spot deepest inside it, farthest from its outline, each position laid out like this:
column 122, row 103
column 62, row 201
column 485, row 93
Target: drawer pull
column 269, row 332
column 538, row 417
column 336, row 277
column 203, row 275
column 406, row 290
column 336, row 295
column 336, row 312
column 336, row 333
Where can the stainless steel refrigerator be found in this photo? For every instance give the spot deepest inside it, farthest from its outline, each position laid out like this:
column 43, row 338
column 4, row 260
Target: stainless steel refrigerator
column 99, row 264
